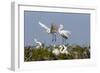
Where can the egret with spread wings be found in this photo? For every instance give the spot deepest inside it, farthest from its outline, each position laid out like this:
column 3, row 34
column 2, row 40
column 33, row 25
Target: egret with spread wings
column 52, row 30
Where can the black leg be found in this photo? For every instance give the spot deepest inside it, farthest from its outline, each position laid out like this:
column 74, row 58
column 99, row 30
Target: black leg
column 55, row 37
column 52, row 37
column 65, row 41
column 62, row 40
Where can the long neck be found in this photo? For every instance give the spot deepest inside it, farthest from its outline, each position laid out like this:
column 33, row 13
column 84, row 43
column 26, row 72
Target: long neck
column 65, row 48
column 61, row 49
column 59, row 29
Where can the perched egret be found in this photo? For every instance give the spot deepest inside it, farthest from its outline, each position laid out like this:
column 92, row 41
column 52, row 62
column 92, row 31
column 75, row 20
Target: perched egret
column 56, row 51
column 39, row 44
column 63, row 49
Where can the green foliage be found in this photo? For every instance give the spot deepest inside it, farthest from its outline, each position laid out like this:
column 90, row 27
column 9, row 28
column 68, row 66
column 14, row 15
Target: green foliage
column 64, row 56
column 79, row 52
column 41, row 54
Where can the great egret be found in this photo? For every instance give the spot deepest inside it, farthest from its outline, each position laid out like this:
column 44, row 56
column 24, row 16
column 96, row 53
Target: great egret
column 56, row 51
column 53, row 30
column 39, row 44
column 64, row 33
column 62, row 50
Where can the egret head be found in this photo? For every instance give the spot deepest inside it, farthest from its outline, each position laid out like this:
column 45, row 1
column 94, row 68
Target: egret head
column 35, row 40
column 61, row 26
column 60, row 46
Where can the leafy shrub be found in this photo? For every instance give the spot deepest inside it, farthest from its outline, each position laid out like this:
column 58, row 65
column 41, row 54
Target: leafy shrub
column 45, row 53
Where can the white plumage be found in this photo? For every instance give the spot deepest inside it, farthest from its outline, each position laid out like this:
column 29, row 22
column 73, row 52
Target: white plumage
column 56, row 51
column 45, row 27
column 39, row 44
column 48, row 30
column 64, row 33
column 62, row 50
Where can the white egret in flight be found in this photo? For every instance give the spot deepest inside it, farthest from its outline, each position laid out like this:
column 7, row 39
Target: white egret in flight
column 64, row 33
column 53, row 30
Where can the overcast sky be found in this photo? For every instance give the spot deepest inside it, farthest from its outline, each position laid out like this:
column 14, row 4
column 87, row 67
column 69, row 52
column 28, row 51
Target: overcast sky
column 77, row 23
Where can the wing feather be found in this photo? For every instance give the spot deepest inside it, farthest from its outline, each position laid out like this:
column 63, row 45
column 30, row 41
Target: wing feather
column 65, row 33
column 44, row 26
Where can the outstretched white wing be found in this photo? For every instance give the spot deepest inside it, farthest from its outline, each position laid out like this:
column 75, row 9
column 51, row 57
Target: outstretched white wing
column 44, row 26
column 65, row 33
column 68, row 32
